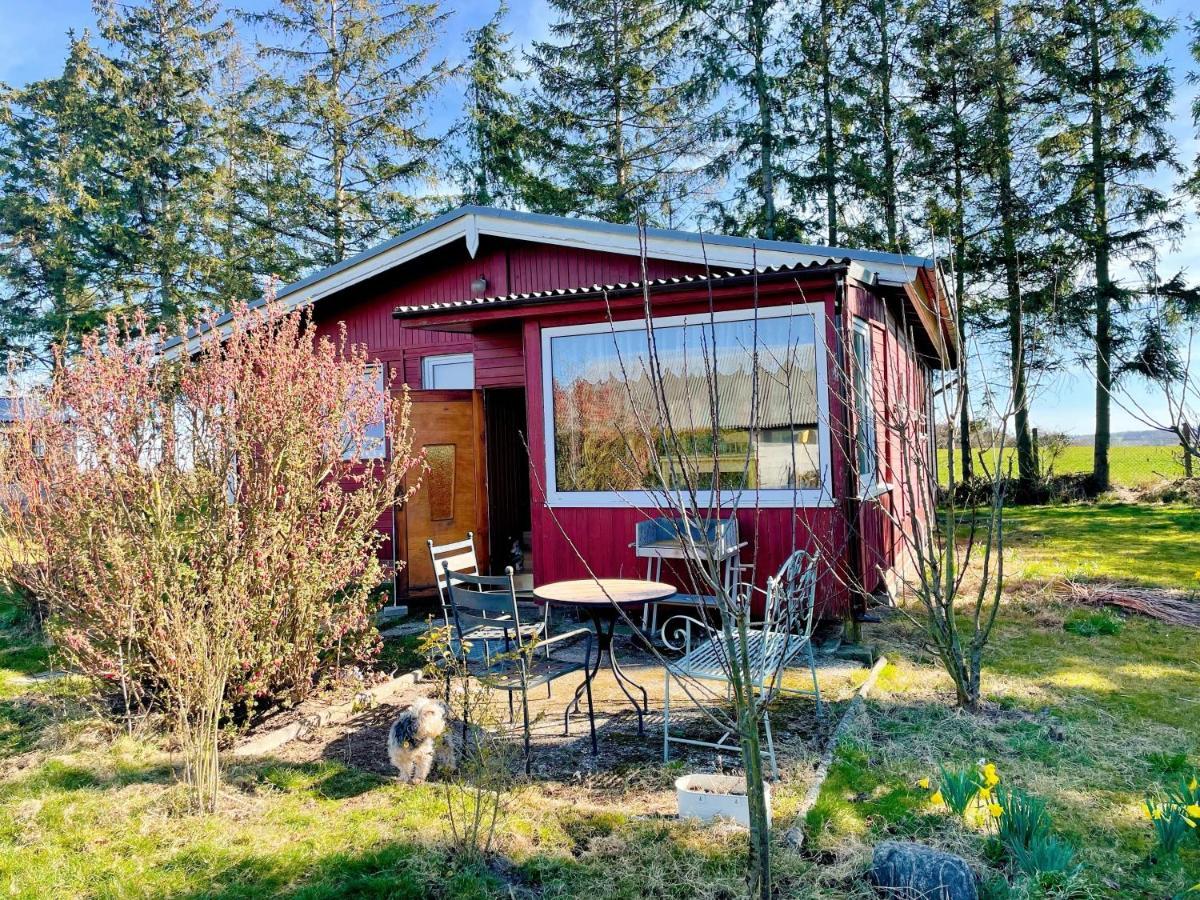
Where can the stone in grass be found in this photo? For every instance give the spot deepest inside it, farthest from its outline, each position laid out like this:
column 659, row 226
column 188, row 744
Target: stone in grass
column 900, row 869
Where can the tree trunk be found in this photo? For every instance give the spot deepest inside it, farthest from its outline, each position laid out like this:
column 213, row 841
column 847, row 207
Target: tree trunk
column 960, row 287
column 889, row 144
column 759, row 871
column 828, row 151
column 1104, row 286
column 758, row 37
column 1026, row 467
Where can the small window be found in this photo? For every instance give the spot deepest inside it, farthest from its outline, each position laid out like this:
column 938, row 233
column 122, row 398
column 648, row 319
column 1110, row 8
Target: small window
column 374, row 437
column 864, row 411
column 453, row 371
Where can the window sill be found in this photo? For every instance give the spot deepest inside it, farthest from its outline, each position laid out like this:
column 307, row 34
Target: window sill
column 874, row 493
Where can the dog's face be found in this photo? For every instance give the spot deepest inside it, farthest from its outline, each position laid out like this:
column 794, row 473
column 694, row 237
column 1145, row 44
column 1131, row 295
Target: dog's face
column 431, row 718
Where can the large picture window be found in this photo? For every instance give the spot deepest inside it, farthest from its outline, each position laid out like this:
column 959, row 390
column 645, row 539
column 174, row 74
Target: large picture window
column 757, row 376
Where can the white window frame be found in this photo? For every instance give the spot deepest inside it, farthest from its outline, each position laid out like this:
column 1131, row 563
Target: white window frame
column 877, row 486
column 373, row 447
column 429, row 363
column 821, row 496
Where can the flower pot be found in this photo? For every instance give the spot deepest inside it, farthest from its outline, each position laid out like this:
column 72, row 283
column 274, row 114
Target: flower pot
column 709, row 797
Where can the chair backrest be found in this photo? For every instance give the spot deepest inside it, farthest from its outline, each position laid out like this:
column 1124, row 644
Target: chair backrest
column 483, row 599
column 791, row 595
column 722, row 534
column 460, row 557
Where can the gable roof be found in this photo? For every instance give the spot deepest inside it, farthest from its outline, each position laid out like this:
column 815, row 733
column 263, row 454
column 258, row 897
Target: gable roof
column 918, row 276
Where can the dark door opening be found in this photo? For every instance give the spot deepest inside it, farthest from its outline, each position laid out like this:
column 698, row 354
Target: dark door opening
column 509, row 503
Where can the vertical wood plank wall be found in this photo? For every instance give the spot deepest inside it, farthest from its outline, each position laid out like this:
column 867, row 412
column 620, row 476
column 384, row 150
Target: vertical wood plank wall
column 508, row 354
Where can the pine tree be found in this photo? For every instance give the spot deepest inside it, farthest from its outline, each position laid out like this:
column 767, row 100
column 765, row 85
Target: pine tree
column 159, row 141
column 1193, row 183
column 1016, row 200
column 50, row 189
column 748, row 51
column 352, row 83
column 615, row 110
column 489, row 164
column 876, row 58
column 258, row 177
column 1108, row 137
column 819, row 113
column 949, row 139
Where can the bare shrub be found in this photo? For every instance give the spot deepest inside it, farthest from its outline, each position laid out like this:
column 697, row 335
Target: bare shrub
column 201, row 531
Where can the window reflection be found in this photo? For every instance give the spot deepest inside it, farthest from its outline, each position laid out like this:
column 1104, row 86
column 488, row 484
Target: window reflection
column 755, row 380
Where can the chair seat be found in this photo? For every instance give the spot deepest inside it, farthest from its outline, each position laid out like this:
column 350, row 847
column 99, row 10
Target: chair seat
column 708, row 601
column 500, row 632
column 768, row 651
column 506, row 675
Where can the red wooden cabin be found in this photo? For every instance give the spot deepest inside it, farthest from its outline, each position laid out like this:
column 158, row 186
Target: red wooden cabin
column 501, row 323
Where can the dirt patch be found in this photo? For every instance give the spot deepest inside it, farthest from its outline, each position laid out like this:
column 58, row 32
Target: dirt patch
column 628, row 772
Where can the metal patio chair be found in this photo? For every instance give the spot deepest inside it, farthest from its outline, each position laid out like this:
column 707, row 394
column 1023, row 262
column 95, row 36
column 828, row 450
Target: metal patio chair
column 484, row 608
column 785, row 633
column 460, row 558
column 664, row 537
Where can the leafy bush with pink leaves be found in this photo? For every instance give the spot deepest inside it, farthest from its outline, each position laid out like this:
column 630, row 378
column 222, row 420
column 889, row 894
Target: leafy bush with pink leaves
column 200, row 532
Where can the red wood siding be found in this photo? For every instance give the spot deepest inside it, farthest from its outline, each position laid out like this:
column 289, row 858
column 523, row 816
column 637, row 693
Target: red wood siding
column 499, row 358
column 535, row 267
column 602, row 535
column 507, row 349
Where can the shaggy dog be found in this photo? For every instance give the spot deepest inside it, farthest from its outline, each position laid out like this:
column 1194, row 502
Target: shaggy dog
column 419, row 739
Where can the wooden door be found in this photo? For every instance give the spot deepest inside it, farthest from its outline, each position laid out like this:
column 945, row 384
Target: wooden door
column 452, row 499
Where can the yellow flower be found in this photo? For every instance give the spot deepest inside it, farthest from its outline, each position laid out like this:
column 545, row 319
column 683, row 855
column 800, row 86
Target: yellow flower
column 996, row 810
column 985, row 794
column 1146, row 809
column 923, row 783
column 1157, row 814
column 937, row 797
column 990, row 776
column 1193, row 810
column 1193, row 784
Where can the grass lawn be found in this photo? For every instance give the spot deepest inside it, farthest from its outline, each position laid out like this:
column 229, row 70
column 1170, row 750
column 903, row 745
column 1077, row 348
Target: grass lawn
column 1131, row 466
column 1089, row 723
column 1153, row 545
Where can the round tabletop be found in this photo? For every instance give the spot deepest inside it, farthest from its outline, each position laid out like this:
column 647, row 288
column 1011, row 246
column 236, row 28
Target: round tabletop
column 604, row 591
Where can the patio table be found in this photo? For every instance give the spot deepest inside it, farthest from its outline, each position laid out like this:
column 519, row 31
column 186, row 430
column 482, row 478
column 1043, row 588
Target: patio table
column 602, row 599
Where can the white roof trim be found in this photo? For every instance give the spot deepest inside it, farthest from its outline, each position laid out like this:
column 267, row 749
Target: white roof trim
column 471, row 222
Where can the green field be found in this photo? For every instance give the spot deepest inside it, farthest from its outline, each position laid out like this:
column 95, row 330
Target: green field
column 1130, row 466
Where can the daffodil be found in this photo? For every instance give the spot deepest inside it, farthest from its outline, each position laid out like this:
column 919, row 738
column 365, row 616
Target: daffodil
column 1157, row 814
column 990, row 776
column 1193, row 810
column 923, row 784
column 985, row 794
column 937, row 797
column 1148, row 812
column 1193, row 784
column 996, row 810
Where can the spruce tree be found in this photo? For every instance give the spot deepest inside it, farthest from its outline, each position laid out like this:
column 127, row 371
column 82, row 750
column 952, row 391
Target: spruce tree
column 351, row 84
column 949, row 140
column 748, row 53
column 1108, row 137
column 258, row 176
column 819, row 113
column 880, row 37
column 51, row 190
column 615, row 110
column 160, row 145
column 489, row 161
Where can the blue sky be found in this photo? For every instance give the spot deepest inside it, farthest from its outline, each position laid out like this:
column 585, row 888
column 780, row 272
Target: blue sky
column 33, row 42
